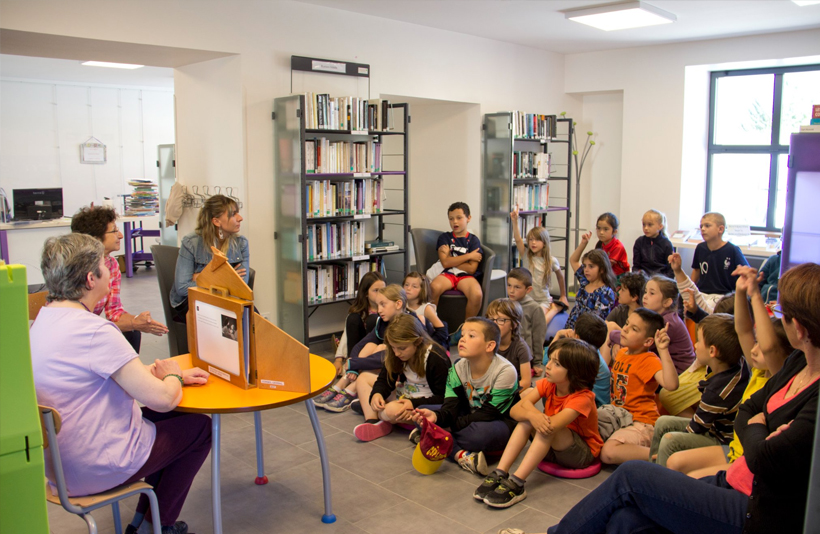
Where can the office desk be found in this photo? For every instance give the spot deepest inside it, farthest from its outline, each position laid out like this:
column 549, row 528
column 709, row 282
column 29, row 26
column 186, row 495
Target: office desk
column 218, row 397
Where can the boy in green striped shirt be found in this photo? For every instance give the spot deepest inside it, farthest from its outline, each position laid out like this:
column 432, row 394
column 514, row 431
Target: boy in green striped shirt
column 481, row 389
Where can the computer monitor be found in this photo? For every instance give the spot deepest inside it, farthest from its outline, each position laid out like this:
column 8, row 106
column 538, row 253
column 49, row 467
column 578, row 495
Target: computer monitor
column 37, row 204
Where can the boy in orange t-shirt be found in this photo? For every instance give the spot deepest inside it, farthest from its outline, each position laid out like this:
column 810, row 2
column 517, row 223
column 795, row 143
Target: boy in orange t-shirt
column 566, row 432
column 636, row 374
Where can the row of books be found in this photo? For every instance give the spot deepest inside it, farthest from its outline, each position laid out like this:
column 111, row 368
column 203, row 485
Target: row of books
column 144, row 199
column 323, row 156
column 527, row 223
column 325, row 112
column 531, row 165
column 338, row 281
column 326, row 241
column 532, row 126
column 339, row 199
column 531, row 197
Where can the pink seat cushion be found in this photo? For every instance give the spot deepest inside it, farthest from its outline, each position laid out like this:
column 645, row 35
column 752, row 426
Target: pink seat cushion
column 565, row 472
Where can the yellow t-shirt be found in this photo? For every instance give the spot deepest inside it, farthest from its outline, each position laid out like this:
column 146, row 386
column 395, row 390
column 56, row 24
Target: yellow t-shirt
column 687, row 393
column 756, row 381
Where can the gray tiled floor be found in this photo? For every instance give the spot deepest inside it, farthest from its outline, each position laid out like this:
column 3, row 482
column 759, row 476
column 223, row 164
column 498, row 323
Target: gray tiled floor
column 375, row 488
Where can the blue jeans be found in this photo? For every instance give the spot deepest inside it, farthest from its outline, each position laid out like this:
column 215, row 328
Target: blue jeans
column 645, row 497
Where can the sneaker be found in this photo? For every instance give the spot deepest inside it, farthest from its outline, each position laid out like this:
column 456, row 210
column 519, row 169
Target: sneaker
column 356, row 406
column 325, row 397
column 489, row 484
column 474, row 462
column 371, row 431
column 180, row 527
column 505, row 494
column 131, row 529
column 511, row 531
column 415, row 435
column 339, row 403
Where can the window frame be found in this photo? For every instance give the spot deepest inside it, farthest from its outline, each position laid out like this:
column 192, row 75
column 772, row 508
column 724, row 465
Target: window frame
column 774, row 149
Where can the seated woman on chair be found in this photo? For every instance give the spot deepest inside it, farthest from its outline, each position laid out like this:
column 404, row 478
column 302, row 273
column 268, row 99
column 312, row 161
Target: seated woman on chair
column 94, row 379
column 100, row 222
column 217, row 226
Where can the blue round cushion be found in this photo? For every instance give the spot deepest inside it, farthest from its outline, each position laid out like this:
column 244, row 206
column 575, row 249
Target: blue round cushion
column 565, row 472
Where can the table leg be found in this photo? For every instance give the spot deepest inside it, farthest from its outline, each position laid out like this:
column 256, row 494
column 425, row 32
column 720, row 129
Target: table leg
column 328, row 517
column 129, row 263
column 261, row 479
column 216, row 489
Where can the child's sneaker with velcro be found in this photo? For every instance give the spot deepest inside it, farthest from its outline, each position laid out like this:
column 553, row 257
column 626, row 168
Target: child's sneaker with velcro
column 370, row 431
column 489, row 484
column 325, row 397
column 506, row 494
column 474, row 462
column 339, row 403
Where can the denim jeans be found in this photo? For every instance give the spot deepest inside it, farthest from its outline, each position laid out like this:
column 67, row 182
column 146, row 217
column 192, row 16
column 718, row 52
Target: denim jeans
column 671, row 437
column 645, row 497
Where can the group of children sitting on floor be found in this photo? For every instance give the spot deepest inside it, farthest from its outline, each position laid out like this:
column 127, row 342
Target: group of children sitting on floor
column 625, row 379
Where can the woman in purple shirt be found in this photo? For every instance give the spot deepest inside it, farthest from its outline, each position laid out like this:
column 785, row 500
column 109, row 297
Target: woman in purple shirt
column 86, row 370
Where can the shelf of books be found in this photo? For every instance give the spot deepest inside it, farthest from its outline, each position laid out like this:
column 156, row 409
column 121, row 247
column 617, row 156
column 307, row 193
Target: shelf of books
column 526, row 164
column 341, row 200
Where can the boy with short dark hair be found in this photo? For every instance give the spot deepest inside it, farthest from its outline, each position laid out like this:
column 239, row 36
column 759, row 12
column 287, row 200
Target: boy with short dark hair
column 533, row 324
column 460, row 253
column 636, row 374
column 630, row 295
column 480, row 391
column 712, row 265
column 591, row 328
column 717, row 348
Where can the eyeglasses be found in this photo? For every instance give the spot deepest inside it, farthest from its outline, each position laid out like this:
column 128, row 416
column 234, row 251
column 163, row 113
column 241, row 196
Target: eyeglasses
column 777, row 310
column 114, row 231
column 500, row 321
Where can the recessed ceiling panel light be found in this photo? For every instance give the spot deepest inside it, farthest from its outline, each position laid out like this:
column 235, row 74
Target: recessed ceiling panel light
column 802, row 3
column 112, row 65
column 621, row 16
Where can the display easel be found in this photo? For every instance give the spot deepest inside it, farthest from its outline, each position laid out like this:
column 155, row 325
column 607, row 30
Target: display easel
column 244, row 348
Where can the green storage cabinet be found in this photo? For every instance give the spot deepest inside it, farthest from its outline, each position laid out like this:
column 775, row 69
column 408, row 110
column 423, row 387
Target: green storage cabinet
column 22, row 470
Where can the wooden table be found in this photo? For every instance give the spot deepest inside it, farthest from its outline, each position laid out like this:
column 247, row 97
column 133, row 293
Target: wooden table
column 218, row 397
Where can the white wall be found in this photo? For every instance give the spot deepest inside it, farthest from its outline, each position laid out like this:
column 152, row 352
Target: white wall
column 654, row 172
column 405, row 59
column 45, row 123
column 601, row 177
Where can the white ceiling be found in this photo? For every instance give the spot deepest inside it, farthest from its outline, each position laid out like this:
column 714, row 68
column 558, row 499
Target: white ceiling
column 70, row 70
column 541, row 24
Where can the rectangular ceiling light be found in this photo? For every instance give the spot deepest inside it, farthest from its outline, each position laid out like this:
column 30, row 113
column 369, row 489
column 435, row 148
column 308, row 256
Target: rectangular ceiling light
column 112, row 65
column 802, row 3
column 620, row 16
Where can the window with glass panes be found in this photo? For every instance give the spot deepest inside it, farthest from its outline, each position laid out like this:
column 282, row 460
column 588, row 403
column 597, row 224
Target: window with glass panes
column 753, row 113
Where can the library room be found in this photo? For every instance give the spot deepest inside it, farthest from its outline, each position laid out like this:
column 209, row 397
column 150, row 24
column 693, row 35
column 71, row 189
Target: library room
column 350, row 266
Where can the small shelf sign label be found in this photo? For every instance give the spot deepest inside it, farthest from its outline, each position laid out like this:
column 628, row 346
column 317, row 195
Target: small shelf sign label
column 328, row 66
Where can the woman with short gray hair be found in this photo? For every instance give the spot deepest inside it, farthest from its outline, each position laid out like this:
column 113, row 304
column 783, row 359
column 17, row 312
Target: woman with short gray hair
column 87, row 371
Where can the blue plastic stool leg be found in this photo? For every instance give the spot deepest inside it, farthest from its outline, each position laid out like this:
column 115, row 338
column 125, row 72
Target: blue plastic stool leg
column 328, row 516
column 261, row 479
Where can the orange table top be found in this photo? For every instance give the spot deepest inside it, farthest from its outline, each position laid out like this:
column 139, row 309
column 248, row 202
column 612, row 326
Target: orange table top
column 219, row 396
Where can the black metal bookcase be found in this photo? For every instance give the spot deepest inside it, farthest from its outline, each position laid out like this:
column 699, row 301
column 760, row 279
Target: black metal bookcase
column 500, row 147
column 291, row 221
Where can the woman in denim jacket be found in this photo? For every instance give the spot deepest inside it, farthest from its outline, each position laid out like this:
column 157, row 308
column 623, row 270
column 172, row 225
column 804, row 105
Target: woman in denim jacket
column 217, row 225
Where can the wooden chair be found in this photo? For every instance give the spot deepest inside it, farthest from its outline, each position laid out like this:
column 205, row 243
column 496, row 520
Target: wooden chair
column 82, row 506
column 35, row 302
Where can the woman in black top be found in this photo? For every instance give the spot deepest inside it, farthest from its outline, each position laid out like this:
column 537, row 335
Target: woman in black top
column 765, row 490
